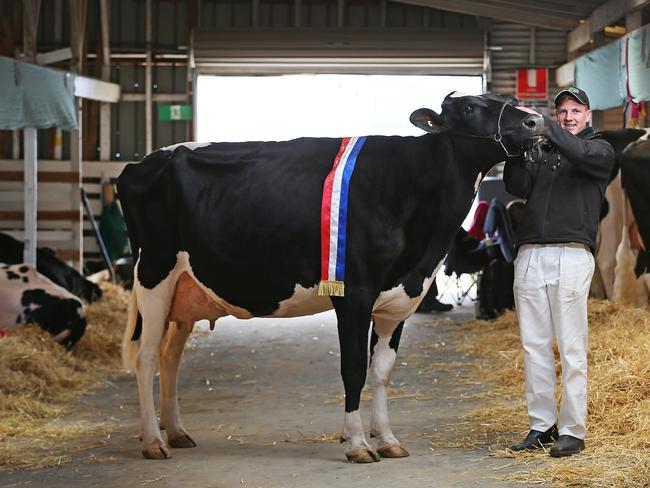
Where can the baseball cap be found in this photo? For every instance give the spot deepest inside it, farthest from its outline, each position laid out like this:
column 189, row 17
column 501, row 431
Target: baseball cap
column 574, row 92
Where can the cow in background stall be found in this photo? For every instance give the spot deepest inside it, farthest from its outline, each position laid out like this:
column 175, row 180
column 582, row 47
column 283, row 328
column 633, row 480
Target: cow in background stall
column 614, row 277
column 11, row 252
column 28, row 297
column 635, row 176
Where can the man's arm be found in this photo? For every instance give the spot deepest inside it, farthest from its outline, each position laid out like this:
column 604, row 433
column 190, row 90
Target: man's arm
column 593, row 157
column 518, row 176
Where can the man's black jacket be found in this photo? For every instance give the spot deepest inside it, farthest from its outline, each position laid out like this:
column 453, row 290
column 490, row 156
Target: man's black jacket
column 564, row 188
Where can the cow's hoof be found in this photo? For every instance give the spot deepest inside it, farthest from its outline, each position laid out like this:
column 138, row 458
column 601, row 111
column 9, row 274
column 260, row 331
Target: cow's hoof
column 181, row 440
column 362, row 455
column 157, row 450
column 392, row 451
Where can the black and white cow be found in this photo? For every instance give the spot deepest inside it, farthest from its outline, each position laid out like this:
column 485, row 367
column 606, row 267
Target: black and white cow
column 11, row 252
column 27, row 296
column 635, row 177
column 234, row 229
column 614, row 217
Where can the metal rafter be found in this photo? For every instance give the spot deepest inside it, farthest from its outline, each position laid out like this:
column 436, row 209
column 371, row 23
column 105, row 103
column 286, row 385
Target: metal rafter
column 515, row 14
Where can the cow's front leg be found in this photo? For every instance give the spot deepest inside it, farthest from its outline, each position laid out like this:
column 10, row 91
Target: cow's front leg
column 384, row 350
column 171, row 351
column 353, row 325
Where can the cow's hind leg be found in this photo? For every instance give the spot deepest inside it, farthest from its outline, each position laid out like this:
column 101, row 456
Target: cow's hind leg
column 384, row 350
column 353, row 325
column 154, row 306
column 171, row 351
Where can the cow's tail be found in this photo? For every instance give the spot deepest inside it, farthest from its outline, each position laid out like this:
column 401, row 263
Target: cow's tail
column 131, row 339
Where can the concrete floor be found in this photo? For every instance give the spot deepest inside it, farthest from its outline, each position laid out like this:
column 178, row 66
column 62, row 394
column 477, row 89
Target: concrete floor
column 256, row 394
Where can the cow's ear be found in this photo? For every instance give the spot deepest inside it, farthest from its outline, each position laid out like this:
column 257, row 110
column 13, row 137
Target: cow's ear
column 427, row 120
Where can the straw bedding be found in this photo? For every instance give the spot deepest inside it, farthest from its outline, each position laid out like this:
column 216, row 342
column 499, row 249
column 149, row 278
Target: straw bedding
column 618, row 429
column 39, row 379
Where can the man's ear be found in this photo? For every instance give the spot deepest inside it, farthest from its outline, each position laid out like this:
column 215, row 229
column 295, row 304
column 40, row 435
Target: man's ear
column 427, row 120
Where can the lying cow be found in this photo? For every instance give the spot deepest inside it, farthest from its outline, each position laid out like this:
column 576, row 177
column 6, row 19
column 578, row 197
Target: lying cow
column 27, row 296
column 11, row 252
column 235, row 229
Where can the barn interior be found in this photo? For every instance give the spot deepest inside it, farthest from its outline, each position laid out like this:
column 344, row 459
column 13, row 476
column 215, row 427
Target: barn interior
column 90, row 86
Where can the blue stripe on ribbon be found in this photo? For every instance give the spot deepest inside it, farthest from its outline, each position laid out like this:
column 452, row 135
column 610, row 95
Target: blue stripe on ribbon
column 343, row 207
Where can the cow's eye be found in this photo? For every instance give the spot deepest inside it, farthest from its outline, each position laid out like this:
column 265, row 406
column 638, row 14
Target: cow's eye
column 469, row 109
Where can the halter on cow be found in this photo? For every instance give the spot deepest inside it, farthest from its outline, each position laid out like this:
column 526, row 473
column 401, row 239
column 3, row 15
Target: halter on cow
column 234, row 229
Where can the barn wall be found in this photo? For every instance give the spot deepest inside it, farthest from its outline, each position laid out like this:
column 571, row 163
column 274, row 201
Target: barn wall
column 170, row 35
column 514, row 41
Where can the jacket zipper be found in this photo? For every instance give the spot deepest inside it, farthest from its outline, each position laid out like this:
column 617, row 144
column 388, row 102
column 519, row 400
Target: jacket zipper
column 548, row 199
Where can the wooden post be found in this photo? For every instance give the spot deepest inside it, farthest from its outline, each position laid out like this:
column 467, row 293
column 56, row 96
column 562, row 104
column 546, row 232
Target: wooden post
column 31, row 11
column 77, row 34
column 30, row 195
column 148, row 83
column 105, row 108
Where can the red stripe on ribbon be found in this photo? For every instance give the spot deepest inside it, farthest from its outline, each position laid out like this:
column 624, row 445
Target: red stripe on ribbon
column 326, row 208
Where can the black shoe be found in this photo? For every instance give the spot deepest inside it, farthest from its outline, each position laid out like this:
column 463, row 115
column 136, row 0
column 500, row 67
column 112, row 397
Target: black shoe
column 536, row 439
column 567, row 445
column 434, row 306
column 438, row 306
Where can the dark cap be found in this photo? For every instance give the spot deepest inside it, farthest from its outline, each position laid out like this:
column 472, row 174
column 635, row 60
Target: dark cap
column 575, row 92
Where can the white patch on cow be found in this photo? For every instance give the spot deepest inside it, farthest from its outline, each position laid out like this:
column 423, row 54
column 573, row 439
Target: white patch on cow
column 11, row 291
column 394, row 305
column 190, row 145
column 304, row 301
column 479, row 178
column 353, row 431
column 646, row 136
column 456, row 94
column 383, row 359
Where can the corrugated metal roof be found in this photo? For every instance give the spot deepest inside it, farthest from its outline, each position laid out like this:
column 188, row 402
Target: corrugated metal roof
column 554, row 14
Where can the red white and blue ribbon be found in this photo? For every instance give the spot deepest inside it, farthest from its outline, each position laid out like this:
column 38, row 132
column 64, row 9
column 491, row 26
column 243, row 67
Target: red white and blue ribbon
column 334, row 217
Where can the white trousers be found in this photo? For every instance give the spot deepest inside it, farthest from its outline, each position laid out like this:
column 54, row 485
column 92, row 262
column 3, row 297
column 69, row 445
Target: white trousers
column 551, row 286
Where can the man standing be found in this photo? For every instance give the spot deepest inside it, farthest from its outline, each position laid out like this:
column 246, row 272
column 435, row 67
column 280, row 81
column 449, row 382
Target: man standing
column 556, row 240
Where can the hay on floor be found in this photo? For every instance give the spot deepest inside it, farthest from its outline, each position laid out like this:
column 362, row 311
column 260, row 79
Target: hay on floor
column 618, row 425
column 40, row 379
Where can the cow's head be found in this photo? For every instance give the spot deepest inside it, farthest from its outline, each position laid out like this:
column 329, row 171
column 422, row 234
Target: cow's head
column 63, row 318
column 71, row 324
column 486, row 117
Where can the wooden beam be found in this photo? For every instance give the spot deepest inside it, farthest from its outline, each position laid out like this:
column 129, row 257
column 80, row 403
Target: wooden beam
column 77, row 32
column 43, row 176
column 156, row 97
column 67, row 215
column 98, row 90
column 633, row 20
column 609, row 12
column 509, row 14
column 52, row 57
column 31, row 12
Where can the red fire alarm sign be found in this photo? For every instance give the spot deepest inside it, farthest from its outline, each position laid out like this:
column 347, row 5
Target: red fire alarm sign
column 532, row 83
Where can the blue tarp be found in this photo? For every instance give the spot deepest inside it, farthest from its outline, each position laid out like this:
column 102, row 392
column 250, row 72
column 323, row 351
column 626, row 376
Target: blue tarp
column 600, row 73
column 33, row 96
column 638, row 63
column 603, row 72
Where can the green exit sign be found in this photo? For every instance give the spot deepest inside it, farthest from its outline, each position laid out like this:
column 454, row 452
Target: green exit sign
column 174, row 112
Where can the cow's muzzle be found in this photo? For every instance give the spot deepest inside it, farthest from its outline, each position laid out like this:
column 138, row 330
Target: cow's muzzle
column 534, row 124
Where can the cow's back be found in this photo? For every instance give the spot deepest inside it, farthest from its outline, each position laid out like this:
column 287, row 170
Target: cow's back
column 248, row 215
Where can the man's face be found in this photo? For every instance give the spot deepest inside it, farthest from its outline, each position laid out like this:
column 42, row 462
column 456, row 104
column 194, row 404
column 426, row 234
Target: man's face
column 573, row 116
